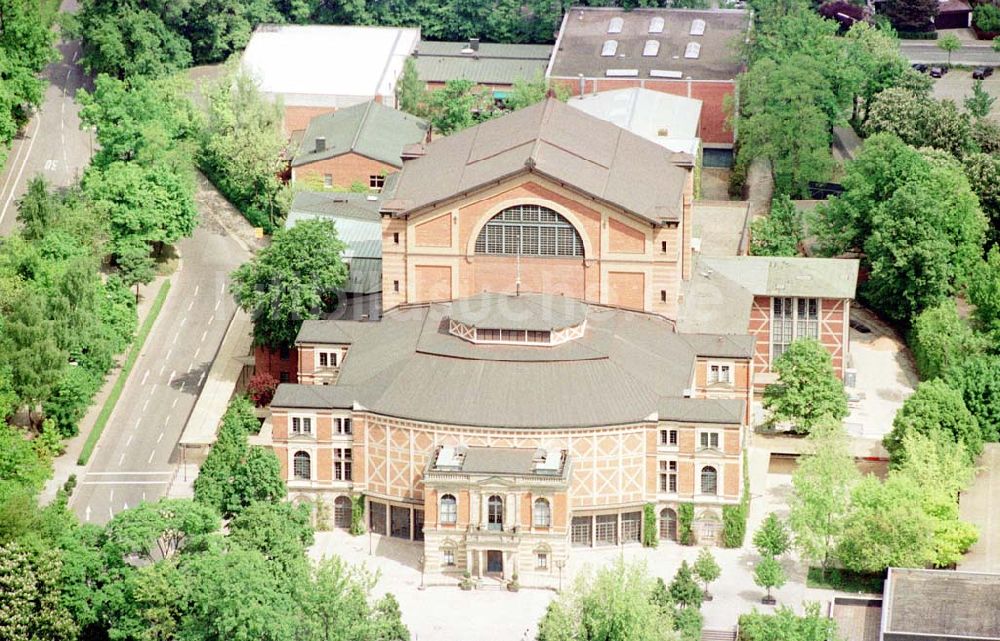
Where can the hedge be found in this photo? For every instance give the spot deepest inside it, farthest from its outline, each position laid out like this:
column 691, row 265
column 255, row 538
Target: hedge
column 685, row 523
column 650, row 536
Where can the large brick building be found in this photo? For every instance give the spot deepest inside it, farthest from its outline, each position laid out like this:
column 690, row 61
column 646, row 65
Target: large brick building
column 687, row 52
column 526, row 201
column 504, row 429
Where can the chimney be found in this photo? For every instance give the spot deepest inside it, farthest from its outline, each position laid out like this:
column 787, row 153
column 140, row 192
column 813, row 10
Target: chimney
column 582, row 85
column 474, row 44
column 320, row 143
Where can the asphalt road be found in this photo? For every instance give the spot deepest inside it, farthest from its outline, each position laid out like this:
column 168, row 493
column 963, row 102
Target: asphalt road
column 52, row 144
column 137, row 454
column 970, row 54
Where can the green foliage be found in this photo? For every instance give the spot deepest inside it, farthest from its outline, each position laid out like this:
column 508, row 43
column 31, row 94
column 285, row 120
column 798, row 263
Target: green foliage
column 821, row 493
column 807, row 390
column 984, row 294
column 875, row 53
column 983, row 172
column 941, row 340
column 26, row 46
column 980, row 102
column 685, row 523
column 987, row 17
column 241, row 148
column 280, row 531
column 614, row 604
column 935, row 406
column 410, row 90
column 785, row 625
column 28, row 345
column 358, row 515
column 706, row 568
column 458, row 105
column 916, row 220
column 773, row 538
column 650, row 538
column 36, row 211
column 734, row 524
column 70, row 399
column 684, row 590
column 949, row 43
column 688, row 623
column 159, row 530
column 843, row 580
column 527, row 92
column 920, row 120
column 31, row 607
column 780, row 233
column 296, row 277
column 769, row 574
column 24, row 467
column 978, row 378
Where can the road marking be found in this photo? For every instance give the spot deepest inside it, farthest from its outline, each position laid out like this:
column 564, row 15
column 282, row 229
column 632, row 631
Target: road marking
column 38, row 123
column 144, row 377
column 182, row 386
column 169, row 352
column 126, row 505
column 158, row 439
column 196, row 288
column 146, row 404
column 203, row 335
column 174, row 404
column 111, row 512
column 86, row 513
column 112, row 496
column 129, row 441
column 222, row 288
column 190, row 305
column 162, row 367
column 166, row 420
column 121, row 459
column 137, row 423
column 212, row 319
column 217, row 303
column 176, row 336
column 76, row 54
column 171, row 379
column 129, row 473
column 150, row 459
column 201, row 379
column 196, row 352
column 183, row 320
column 143, row 497
column 191, row 366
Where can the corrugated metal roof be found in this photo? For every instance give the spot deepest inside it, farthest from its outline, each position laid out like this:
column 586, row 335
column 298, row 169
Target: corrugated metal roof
column 624, row 367
column 492, row 64
column 608, row 163
column 369, row 129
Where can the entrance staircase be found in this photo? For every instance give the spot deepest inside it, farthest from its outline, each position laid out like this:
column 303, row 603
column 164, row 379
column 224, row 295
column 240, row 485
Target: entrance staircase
column 718, row 635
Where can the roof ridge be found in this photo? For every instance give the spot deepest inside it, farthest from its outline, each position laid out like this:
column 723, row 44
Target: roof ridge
column 532, row 160
column 361, row 127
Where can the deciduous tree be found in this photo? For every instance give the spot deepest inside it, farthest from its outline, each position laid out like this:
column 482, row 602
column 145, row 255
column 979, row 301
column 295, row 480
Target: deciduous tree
column 164, row 527
column 706, row 568
column 807, row 390
column 684, row 590
column 984, row 294
column 978, row 378
column 780, row 233
column 940, row 340
column 769, row 574
column 935, row 406
column 772, row 539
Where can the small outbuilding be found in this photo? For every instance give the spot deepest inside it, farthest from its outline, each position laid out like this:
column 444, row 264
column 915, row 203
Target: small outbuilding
column 940, row 605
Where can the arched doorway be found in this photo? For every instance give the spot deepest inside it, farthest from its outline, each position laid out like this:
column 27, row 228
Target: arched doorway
column 668, row 524
column 342, row 512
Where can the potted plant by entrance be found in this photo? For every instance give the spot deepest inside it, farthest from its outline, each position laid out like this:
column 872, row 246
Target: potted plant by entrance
column 466, row 582
column 513, row 585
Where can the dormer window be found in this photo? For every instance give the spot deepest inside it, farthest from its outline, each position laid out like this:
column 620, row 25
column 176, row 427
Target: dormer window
column 693, row 50
column 609, row 49
column 720, row 373
column 651, row 49
column 656, row 25
column 698, row 27
column 616, row 24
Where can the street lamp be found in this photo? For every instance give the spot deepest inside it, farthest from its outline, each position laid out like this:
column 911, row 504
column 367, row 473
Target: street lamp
column 423, row 563
column 561, row 563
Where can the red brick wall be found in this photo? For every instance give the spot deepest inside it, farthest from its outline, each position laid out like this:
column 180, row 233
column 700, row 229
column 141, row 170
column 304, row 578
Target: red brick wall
column 713, row 128
column 346, row 169
column 297, row 118
column 269, row 360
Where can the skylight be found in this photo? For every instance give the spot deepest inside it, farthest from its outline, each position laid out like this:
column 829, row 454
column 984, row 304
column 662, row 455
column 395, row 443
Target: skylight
column 693, row 50
column 616, row 24
column 651, row 49
column 698, row 27
column 609, row 48
column 656, row 25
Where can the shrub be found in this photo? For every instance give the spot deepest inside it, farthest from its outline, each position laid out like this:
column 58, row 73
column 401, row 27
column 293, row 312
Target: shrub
column 780, row 233
column 358, row 516
column 935, row 406
column 261, row 388
column 941, row 339
column 685, row 523
column 987, row 17
column 649, row 533
column 734, row 525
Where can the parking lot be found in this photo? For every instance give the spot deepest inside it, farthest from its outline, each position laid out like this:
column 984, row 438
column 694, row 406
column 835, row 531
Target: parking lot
column 957, row 85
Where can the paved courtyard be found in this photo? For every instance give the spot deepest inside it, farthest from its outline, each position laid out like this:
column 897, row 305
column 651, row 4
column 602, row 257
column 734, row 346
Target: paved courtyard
column 977, row 505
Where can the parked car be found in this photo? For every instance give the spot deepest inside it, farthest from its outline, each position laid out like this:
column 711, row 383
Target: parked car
column 937, row 72
column 922, row 68
column 981, row 73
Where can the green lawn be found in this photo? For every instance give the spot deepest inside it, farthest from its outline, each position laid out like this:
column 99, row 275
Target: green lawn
column 845, row 581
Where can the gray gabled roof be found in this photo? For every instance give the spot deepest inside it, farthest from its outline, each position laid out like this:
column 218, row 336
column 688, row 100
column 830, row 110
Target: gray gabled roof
column 491, row 64
column 552, row 139
column 532, row 312
column 316, row 397
column 728, row 411
column 369, row 129
column 621, row 371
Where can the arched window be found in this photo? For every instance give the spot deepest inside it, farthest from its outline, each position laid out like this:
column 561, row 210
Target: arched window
column 302, row 466
column 494, row 513
column 449, row 509
column 616, row 24
column 542, row 514
column 668, row 524
column 529, row 230
column 709, row 480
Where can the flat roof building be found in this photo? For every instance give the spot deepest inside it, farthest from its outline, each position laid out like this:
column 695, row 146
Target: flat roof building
column 940, row 605
column 490, row 64
column 316, row 69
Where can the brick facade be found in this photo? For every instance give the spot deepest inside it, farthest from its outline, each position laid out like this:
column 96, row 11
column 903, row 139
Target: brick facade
column 345, row 170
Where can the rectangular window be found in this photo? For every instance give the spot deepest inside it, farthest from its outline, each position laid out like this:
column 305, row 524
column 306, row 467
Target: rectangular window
column 395, row 238
column 791, row 319
column 542, row 561
column 284, row 352
column 395, row 285
column 668, row 476
column 342, row 425
column 342, row 464
column 668, row 438
column 323, row 360
column 720, row 373
column 448, row 558
column 376, row 181
column 283, row 377
column 663, row 295
column 663, row 246
column 328, row 180
column 302, row 425
column 709, row 440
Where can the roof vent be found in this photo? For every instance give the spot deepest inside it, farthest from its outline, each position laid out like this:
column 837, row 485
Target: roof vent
column 693, row 50
column 651, row 48
column 621, row 73
column 661, row 73
column 474, row 44
column 656, row 25
column 320, row 143
column 371, row 197
column 609, row 48
column 698, row 27
column 616, row 24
